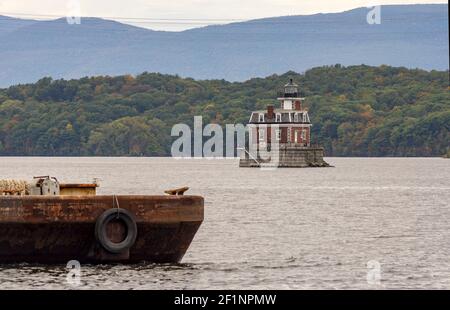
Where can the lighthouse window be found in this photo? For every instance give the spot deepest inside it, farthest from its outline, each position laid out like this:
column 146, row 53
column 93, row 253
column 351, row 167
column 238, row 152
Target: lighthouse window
column 261, row 117
column 296, row 117
column 278, row 134
column 303, row 134
column 262, row 133
column 278, row 117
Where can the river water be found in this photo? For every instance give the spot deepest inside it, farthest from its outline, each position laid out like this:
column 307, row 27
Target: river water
column 367, row 223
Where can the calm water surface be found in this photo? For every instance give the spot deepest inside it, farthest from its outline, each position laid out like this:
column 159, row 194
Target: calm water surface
column 313, row 228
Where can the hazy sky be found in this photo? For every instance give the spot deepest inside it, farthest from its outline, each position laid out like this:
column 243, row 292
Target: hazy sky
column 183, row 14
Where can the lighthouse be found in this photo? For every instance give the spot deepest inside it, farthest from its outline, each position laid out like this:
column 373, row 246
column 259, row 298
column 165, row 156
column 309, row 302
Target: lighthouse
column 283, row 131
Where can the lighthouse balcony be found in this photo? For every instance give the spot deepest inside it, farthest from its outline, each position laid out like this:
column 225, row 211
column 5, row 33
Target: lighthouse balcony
column 281, row 95
column 277, row 145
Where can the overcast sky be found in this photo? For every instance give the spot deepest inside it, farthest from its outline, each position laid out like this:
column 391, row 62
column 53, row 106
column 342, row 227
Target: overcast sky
column 146, row 13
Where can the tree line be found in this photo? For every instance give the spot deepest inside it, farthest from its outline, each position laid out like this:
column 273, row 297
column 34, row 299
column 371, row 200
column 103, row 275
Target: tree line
column 356, row 111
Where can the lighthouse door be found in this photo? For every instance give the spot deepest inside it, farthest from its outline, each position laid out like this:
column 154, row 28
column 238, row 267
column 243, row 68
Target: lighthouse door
column 284, row 135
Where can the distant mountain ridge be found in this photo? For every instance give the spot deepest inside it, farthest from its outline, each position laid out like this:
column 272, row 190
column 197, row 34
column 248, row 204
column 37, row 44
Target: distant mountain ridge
column 409, row 35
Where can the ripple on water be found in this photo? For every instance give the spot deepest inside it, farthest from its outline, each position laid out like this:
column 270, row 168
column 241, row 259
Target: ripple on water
column 286, row 228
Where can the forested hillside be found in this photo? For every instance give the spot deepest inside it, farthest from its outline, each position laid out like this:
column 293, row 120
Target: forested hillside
column 356, row 111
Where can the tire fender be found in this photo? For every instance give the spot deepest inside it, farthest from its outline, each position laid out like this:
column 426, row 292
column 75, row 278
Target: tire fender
column 100, row 230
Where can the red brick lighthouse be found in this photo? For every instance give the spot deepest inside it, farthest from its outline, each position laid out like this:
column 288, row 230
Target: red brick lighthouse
column 285, row 132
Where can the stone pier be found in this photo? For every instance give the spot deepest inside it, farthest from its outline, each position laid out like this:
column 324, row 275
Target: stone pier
column 285, row 156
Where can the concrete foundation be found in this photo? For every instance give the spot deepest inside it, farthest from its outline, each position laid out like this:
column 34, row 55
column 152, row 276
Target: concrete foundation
column 285, row 156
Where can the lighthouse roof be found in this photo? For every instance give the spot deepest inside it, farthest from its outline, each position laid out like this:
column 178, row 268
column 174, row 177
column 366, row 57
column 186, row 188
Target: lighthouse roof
column 280, row 116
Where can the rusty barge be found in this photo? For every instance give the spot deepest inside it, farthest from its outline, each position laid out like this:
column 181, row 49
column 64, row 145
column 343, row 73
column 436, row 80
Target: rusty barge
column 52, row 223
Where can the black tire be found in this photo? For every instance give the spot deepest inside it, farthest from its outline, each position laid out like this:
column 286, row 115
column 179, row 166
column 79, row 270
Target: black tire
column 100, row 230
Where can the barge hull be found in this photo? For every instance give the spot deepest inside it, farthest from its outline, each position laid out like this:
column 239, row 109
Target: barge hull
column 58, row 229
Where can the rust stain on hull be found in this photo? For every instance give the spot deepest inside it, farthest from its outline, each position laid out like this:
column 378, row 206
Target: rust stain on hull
column 56, row 229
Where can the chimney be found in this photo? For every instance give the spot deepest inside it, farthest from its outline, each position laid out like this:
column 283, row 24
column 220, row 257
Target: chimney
column 298, row 105
column 270, row 114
